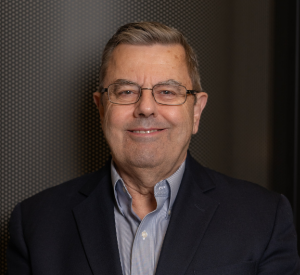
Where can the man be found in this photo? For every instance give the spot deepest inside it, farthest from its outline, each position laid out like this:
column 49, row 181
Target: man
column 152, row 209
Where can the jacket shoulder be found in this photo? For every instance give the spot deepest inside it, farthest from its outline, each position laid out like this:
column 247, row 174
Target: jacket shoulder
column 65, row 194
column 230, row 190
column 240, row 188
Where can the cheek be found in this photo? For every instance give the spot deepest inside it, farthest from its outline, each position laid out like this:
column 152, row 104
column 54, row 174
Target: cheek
column 181, row 118
column 114, row 120
column 185, row 115
column 105, row 118
column 188, row 123
column 109, row 122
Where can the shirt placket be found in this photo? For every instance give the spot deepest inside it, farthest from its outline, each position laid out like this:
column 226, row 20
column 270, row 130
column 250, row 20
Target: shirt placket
column 143, row 250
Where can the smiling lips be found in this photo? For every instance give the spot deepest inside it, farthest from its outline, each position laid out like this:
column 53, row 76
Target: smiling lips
column 145, row 131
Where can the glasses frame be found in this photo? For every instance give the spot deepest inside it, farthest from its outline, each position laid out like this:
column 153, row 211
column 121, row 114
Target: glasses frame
column 188, row 92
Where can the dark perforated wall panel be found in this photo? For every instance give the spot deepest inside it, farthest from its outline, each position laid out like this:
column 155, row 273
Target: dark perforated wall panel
column 50, row 54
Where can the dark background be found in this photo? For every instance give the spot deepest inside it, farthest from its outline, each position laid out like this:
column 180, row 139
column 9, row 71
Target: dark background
column 50, row 58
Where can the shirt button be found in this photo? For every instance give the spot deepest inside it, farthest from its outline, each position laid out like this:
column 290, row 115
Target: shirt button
column 124, row 189
column 169, row 212
column 144, row 235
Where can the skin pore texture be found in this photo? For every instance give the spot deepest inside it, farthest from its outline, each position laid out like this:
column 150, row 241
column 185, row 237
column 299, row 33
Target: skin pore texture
column 148, row 141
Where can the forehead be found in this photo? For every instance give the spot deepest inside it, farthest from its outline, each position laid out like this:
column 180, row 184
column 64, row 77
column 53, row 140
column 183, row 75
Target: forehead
column 148, row 64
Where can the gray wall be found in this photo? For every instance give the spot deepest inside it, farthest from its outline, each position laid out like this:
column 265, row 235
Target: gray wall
column 50, row 54
column 236, row 57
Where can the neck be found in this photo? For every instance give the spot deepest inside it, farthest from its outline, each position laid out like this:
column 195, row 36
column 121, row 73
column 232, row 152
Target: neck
column 143, row 202
column 140, row 184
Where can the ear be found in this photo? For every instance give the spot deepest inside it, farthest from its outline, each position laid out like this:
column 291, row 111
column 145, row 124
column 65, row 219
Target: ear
column 198, row 108
column 99, row 104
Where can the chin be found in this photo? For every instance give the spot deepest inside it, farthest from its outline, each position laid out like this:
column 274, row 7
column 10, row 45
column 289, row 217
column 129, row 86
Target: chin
column 143, row 157
column 144, row 163
column 144, row 160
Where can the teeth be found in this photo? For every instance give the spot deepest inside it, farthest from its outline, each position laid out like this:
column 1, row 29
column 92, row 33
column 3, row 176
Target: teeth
column 145, row 132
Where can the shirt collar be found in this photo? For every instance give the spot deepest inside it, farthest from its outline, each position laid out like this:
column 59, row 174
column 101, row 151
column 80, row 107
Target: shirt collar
column 173, row 181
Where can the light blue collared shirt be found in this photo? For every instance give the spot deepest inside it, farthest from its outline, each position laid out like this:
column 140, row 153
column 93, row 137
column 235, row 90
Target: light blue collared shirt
column 139, row 241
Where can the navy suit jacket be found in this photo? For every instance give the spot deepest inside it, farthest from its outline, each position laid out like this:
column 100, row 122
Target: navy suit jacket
column 219, row 225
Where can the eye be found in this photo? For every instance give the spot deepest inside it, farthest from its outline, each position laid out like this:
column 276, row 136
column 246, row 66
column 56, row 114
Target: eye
column 166, row 92
column 127, row 92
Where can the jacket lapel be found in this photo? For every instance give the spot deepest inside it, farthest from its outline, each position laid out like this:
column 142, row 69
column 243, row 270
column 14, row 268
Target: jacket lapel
column 96, row 225
column 192, row 213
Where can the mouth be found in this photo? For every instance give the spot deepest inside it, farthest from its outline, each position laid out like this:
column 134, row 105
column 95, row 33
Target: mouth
column 145, row 131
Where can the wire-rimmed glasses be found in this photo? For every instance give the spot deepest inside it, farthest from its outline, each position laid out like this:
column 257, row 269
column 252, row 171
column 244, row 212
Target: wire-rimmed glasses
column 130, row 93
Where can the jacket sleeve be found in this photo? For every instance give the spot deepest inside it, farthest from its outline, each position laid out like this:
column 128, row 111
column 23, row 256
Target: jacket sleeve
column 17, row 252
column 281, row 255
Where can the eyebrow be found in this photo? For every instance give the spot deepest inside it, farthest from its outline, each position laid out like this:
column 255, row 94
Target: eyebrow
column 124, row 81
column 169, row 82
column 166, row 82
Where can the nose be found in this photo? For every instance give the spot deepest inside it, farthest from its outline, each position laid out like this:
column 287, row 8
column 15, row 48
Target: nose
column 146, row 106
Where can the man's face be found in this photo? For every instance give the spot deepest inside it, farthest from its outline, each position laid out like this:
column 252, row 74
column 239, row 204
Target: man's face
column 126, row 127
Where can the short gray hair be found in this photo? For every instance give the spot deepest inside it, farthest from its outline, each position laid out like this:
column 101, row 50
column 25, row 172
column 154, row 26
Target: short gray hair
column 149, row 33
